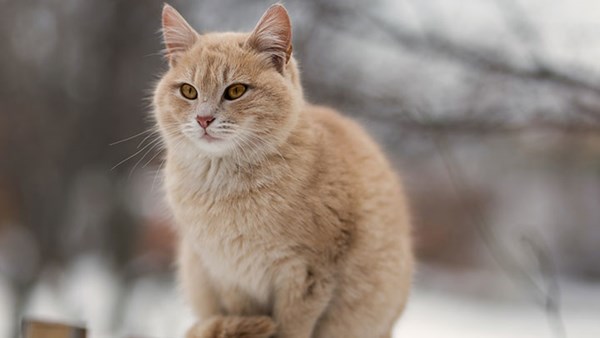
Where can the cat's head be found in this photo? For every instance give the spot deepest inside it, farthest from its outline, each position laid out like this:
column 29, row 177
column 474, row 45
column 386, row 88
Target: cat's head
column 228, row 94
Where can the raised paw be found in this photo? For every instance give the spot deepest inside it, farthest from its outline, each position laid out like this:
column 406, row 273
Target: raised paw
column 233, row 327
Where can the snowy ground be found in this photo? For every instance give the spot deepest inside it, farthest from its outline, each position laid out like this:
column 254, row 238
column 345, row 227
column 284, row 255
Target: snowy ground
column 434, row 314
column 88, row 293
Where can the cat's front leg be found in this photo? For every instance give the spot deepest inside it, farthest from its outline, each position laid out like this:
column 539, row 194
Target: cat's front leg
column 302, row 295
column 195, row 282
column 220, row 311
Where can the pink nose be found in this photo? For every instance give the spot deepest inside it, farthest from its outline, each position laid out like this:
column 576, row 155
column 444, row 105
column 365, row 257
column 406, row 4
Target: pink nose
column 204, row 121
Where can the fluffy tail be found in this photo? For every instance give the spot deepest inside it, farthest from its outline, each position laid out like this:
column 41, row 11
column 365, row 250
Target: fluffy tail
column 234, row 327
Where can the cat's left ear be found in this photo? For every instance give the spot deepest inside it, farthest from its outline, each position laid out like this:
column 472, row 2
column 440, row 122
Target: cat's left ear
column 178, row 35
column 273, row 35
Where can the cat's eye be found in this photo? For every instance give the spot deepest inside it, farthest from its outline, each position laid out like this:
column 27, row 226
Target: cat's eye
column 188, row 91
column 235, row 91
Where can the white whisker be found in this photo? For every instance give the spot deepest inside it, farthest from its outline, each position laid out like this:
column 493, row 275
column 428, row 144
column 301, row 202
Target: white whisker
column 152, row 158
column 131, row 156
column 130, row 137
column 156, row 142
column 145, row 138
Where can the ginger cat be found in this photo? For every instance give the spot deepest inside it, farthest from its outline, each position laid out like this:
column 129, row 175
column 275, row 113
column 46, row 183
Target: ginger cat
column 290, row 220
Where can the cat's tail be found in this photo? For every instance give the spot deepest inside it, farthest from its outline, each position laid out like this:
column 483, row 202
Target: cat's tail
column 234, row 327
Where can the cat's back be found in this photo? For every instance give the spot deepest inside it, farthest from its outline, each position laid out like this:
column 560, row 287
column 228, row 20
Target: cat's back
column 357, row 163
column 347, row 141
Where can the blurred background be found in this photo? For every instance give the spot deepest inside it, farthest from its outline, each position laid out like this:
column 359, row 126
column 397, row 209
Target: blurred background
column 489, row 108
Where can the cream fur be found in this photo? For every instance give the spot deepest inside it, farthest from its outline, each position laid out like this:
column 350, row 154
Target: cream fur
column 293, row 223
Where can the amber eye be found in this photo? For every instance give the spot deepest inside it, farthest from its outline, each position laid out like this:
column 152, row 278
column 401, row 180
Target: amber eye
column 188, row 91
column 234, row 91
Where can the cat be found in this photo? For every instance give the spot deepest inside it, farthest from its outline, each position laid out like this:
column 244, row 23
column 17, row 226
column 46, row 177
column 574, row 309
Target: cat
column 290, row 221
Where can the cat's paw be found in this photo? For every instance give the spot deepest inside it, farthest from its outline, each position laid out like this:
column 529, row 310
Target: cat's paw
column 233, row 327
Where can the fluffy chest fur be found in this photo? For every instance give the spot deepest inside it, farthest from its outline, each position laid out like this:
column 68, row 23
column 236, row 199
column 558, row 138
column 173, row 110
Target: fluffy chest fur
column 237, row 261
column 233, row 222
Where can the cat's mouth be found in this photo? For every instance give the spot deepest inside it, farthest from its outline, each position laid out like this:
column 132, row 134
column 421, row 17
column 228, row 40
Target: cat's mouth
column 209, row 138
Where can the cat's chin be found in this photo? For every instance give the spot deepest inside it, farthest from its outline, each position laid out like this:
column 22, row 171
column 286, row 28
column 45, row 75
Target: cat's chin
column 211, row 145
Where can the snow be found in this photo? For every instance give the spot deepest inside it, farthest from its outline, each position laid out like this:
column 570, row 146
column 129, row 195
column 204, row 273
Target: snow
column 151, row 306
column 434, row 314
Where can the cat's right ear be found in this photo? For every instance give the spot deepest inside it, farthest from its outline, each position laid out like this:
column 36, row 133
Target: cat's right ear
column 178, row 35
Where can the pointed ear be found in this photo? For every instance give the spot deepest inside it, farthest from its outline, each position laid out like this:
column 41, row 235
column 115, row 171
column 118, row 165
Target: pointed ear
column 273, row 35
column 178, row 35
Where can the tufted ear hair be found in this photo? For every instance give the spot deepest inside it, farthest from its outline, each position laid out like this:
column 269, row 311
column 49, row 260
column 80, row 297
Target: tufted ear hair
column 178, row 35
column 273, row 35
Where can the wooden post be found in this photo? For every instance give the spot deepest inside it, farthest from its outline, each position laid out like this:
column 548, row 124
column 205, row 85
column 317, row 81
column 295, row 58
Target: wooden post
column 43, row 329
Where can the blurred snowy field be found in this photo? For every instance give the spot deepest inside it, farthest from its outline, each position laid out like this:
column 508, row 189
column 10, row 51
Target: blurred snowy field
column 88, row 293
column 436, row 313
